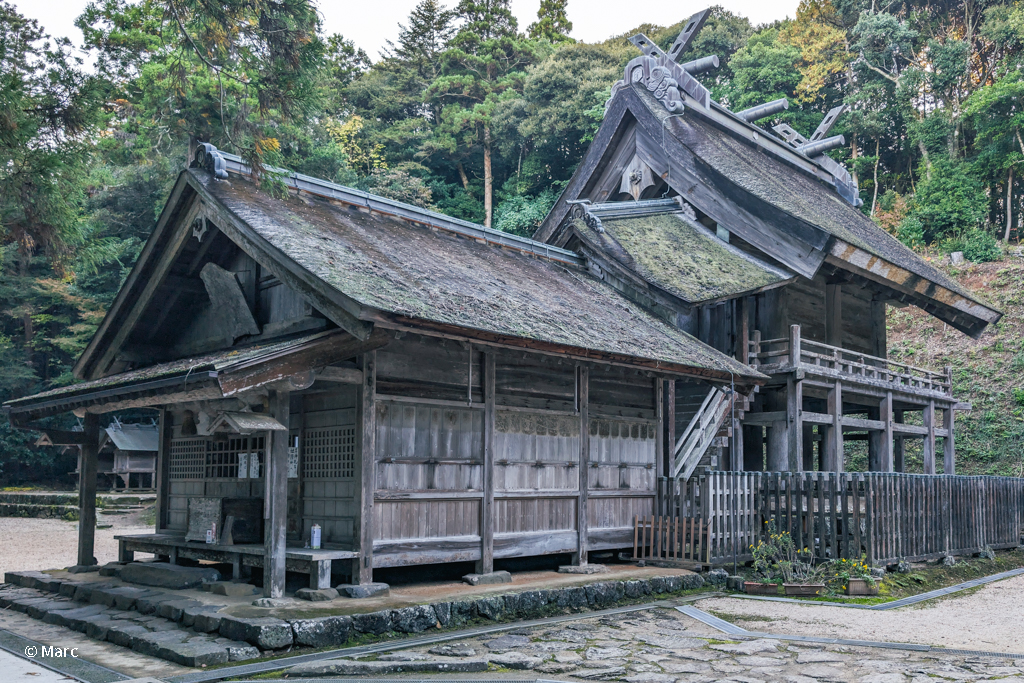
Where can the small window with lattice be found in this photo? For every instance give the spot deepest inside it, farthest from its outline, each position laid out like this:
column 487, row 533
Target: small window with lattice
column 329, row 453
column 237, row 457
column 188, row 459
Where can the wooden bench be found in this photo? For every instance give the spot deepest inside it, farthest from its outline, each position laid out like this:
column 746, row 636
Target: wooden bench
column 316, row 563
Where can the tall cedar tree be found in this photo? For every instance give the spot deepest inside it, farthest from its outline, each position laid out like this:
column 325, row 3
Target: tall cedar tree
column 552, row 24
column 485, row 64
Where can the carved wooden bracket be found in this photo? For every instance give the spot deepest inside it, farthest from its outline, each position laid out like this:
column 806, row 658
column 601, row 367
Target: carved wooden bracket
column 636, row 178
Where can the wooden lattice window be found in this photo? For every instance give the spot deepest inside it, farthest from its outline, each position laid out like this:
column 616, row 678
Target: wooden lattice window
column 225, row 458
column 188, row 458
column 329, row 453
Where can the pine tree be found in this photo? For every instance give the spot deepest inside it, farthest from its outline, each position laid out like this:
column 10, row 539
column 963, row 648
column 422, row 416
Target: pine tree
column 552, row 23
column 420, row 44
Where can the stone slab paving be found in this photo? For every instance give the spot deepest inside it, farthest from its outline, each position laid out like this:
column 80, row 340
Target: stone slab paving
column 663, row 646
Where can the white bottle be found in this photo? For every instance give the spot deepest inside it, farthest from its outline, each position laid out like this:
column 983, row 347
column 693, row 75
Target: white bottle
column 314, row 537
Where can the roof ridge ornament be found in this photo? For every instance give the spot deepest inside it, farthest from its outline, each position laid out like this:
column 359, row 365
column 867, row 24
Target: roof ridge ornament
column 209, row 157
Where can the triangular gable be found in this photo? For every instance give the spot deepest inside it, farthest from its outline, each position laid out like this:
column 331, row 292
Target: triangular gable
column 776, row 202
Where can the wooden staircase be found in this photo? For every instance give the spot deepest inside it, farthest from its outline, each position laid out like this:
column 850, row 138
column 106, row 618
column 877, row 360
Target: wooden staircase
column 705, row 424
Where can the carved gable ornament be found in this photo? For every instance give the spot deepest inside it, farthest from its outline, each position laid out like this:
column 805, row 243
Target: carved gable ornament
column 637, row 177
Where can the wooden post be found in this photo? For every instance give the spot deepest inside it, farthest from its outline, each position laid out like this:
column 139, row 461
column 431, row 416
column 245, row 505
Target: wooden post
column 275, row 473
column 486, row 564
column 659, row 433
column 885, row 451
column 794, row 420
column 834, row 315
column 163, row 456
column 670, row 426
column 878, row 331
column 898, row 452
column 929, row 440
column 743, row 330
column 582, row 523
column 949, row 443
column 834, row 444
column 736, row 450
column 87, row 491
column 366, row 431
column 794, row 345
column 756, row 344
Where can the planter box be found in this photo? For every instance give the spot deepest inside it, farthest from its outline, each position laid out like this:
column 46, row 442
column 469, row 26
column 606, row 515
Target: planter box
column 756, row 588
column 861, row 587
column 804, row 588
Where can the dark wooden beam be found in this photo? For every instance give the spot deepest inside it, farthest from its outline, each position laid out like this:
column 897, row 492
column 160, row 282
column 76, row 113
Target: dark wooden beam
column 582, row 524
column 317, row 353
column 486, row 564
column 87, row 491
column 366, row 430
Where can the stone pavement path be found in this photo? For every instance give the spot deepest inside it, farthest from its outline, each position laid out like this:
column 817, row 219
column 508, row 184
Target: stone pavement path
column 663, row 646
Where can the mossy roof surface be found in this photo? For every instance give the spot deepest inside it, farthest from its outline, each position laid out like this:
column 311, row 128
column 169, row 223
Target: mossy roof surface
column 770, row 179
column 392, row 266
column 685, row 258
column 184, row 368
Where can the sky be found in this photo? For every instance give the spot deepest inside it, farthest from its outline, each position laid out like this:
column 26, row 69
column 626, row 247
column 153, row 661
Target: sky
column 372, row 23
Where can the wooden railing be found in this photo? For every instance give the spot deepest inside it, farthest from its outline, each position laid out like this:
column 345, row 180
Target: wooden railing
column 883, row 517
column 699, row 433
column 843, row 363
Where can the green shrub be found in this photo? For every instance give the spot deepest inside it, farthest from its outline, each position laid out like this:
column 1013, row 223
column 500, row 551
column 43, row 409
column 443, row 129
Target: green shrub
column 910, row 231
column 977, row 245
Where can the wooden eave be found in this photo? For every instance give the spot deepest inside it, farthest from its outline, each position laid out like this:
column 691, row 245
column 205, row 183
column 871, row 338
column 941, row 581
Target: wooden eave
column 747, row 378
column 945, row 304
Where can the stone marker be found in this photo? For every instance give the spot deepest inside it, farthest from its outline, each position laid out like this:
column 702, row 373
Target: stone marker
column 316, row 594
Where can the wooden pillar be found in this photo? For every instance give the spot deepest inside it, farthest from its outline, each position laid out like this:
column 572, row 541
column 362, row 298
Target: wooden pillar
column 87, row 491
column 898, row 453
column 949, row 443
column 928, row 452
column 794, row 426
column 743, row 329
column 885, row 450
column 808, row 448
column 834, row 315
column 486, row 563
column 670, row 426
column 777, row 433
column 878, row 331
column 736, row 449
column 834, row 460
column 275, row 475
column 366, row 431
column 162, row 482
column 582, row 524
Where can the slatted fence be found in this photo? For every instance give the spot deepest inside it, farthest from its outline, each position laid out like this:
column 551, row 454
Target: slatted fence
column 671, row 539
column 884, row 517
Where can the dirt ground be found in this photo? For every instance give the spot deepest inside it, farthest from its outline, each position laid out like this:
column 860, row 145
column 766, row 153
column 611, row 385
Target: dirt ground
column 29, row 544
column 987, row 619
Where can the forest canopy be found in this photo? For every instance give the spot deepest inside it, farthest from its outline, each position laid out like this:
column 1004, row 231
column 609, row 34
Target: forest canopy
column 465, row 112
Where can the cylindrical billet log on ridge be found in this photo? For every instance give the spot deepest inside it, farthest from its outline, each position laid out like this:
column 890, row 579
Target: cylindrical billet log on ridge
column 763, row 110
column 701, row 65
column 813, row 149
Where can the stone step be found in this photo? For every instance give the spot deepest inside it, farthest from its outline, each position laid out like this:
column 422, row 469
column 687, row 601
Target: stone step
column 150, row 633
column 133, row 616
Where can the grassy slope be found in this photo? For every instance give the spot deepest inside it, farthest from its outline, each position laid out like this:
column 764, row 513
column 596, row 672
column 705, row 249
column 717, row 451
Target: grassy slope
column 987, row 372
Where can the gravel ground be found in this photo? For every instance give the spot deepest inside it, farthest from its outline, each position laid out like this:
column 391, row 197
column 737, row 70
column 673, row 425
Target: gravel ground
column 987, row 619
column 53, row 543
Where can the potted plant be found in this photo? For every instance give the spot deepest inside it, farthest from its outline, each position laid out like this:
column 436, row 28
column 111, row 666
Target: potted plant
column 767, row 554
column 852, row 577
column 799, row 576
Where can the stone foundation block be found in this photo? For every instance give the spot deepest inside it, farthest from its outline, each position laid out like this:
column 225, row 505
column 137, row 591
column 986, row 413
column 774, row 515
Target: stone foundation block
column 322, row 632
column 413, row 619
column 583, row 569
column 341, row 667
column 366, row 590
column 166, row 575
column 316, row 594
column 266, row 633
column 487, row 579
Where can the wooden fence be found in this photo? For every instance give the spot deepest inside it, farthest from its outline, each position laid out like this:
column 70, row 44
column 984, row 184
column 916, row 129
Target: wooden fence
column 883, row 517
column 670, row 539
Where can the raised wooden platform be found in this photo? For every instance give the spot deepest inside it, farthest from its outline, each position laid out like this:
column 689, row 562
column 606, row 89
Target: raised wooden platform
column 317, row 563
